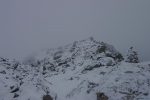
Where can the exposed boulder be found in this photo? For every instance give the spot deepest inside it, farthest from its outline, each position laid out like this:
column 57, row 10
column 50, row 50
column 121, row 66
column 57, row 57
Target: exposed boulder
column 101, row 96
column 47, row 97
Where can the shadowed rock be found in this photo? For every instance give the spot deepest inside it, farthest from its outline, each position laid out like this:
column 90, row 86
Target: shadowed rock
column 47, row 97
column 101, row 96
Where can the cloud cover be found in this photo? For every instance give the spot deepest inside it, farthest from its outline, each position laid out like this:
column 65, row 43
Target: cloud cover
column 29, row 25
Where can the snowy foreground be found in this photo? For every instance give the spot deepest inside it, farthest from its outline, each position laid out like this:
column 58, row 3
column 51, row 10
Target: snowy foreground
column 75, row 72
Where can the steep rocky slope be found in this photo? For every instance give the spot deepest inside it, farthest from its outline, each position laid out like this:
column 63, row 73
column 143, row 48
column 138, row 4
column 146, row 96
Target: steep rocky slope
column 75, row 72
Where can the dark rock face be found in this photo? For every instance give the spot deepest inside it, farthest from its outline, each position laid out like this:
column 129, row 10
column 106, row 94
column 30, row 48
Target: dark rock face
column 15, row 90
column 47, row 97
column 16, row 95
column 101, row 96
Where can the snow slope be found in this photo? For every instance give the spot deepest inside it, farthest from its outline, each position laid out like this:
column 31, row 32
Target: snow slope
column 75, row 72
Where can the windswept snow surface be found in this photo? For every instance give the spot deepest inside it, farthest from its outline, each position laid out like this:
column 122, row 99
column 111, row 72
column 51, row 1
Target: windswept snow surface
column 75, row 72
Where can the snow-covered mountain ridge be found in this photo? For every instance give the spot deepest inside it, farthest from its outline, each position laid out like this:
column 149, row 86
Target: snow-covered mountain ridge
column 75, row 72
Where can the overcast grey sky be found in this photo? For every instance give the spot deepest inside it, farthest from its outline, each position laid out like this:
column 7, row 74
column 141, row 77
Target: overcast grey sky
column 30, row 25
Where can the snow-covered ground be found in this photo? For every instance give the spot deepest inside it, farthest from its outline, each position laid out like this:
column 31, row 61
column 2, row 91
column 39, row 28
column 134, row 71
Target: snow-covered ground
column 75, row 72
